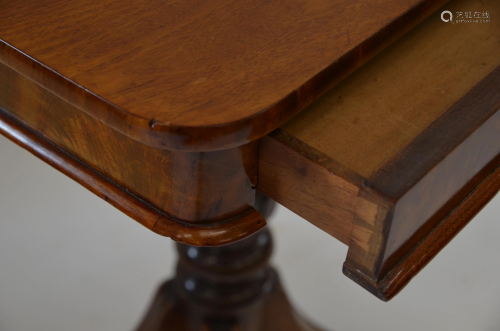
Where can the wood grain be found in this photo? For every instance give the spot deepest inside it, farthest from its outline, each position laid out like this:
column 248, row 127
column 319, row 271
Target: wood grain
column 157, row 108
column 414, row 153
column 191, row 186
column 214, row 234
column 141, row 169
column 307, row 188
column 465, row 143
column 433, row 243
column 367, row 118
column 197, row 75
column 432, row 176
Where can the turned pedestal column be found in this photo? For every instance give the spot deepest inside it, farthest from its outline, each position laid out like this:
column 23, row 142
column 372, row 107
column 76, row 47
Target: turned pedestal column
column 229, row 287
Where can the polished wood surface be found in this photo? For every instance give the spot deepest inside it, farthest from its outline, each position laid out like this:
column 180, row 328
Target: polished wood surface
column 396, row 147
column 162, row 109
column 275, row 314
column 422, row 189
column 214, row 234
column 465, row 149
column 337, row 142
column 434, row 242
column 227, row 288
column 197, row 75
column 185, row 187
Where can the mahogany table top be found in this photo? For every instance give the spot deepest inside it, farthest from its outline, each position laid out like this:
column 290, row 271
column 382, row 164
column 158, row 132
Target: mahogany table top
column 196, row 75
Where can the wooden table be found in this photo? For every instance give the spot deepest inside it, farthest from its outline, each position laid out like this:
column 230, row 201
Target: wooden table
column 185, row 116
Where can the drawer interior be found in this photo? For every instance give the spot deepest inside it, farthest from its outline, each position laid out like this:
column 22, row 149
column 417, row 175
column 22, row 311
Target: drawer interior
column 390, row 153
column 355, row 128
column 371, row 115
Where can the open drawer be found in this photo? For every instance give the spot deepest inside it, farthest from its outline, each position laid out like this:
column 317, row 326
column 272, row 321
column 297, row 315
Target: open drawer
column 399, row 156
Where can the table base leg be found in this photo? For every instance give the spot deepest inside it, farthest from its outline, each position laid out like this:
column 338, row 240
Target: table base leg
column 227, row 288
column 168, row 312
